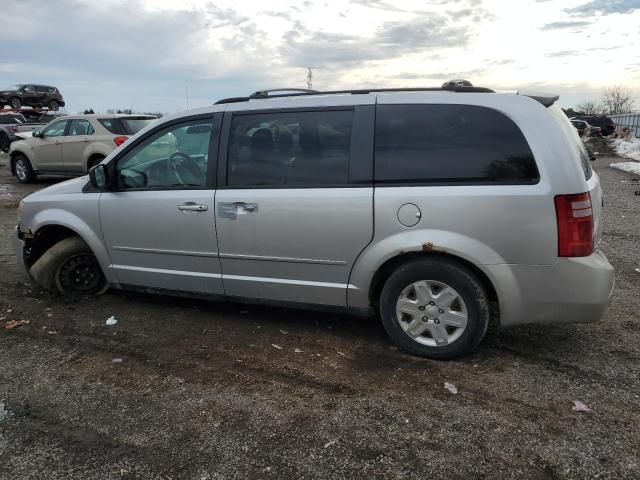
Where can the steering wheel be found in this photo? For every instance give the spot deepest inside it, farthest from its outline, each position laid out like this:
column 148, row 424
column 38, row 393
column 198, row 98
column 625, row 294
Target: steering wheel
column 186, row 169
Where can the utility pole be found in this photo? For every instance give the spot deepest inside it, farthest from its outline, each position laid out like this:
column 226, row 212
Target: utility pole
column 186, row 94
column 309, row 78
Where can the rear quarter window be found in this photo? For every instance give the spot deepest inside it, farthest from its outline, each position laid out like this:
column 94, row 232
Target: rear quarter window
column 113, row 125
column 449, row 144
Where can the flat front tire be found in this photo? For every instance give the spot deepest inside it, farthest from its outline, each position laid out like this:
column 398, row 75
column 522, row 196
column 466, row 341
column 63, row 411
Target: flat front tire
column 69, row 268
column 435, row 308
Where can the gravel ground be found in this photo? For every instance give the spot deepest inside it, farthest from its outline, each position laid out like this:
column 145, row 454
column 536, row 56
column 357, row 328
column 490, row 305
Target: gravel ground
column 183, row 389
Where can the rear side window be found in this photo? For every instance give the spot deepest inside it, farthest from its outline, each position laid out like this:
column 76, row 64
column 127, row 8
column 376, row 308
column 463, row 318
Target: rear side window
column 113, row 125
column 134, row 125
column 125, row 126
column 450, row 144
column 290, row 149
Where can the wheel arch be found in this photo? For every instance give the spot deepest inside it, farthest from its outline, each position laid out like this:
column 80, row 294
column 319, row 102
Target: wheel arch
column 92, row 156
column 377, row 262
column 47, row 231
column 389, row 266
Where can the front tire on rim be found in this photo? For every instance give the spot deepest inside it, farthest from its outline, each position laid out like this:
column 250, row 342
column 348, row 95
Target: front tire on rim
column 435, row 308
column 69, row 268
column 22, row 167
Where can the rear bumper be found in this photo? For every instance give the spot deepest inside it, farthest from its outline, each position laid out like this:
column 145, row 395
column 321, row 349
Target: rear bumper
column 574, row 290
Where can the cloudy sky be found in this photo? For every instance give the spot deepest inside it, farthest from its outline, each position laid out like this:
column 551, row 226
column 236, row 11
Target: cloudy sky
column 115, row 53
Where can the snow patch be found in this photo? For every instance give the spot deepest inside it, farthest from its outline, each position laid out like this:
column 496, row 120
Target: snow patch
column 631, row 167
column 627, row 148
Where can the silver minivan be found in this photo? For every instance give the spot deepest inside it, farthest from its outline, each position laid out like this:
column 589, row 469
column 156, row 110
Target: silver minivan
column 440, row 210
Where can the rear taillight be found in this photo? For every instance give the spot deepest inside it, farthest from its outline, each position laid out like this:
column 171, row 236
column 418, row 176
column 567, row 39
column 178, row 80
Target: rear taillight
column 575, row 225
column 120, row 140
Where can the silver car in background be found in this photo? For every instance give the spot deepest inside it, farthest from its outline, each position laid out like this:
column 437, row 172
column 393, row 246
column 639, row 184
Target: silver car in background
column 72, row 145
column 440, row 210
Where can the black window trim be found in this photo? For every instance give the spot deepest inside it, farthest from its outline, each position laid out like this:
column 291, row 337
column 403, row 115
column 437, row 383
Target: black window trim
column 360, row 149
column 453, row 182
column 212, row 161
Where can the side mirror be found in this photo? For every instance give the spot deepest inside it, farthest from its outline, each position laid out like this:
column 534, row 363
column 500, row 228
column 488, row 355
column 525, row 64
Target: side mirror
column 36, row 133
column 99, row 177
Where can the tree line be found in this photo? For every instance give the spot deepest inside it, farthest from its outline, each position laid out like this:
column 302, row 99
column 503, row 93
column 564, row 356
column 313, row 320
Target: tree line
column 613, row 101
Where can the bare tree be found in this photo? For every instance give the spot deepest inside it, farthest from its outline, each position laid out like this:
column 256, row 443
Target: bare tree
column 589, row 108
column 617, row 99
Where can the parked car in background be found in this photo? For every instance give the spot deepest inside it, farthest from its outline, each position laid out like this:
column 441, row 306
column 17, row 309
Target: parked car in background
column 595, row 131
column 14, row 124
column 441, row 211
column 584, row 129
column 607, row 125
column 31, row 95
column 73, row 144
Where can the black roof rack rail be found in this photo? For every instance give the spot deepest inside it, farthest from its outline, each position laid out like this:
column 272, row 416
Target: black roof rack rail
column 304, row 92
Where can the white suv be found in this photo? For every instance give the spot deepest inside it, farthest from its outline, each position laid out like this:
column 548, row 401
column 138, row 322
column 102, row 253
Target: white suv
column 72, row 145
column 438, row 210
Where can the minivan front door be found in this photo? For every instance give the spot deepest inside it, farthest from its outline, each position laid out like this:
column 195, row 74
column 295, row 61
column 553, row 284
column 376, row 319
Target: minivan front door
column 297, row 205
column 158, row 221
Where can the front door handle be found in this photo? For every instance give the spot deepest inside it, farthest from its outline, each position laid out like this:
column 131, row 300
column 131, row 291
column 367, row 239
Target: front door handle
column 231, row 210
column 193, row 207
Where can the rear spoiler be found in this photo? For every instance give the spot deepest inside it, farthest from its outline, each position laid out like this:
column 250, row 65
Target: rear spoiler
column 546, row 99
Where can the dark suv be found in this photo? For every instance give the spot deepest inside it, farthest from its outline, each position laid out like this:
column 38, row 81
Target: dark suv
column 32, row 96
column 607, row 125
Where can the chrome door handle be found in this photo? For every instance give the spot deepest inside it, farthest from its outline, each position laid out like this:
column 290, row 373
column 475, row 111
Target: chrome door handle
column 231, row 210
column 193, row 207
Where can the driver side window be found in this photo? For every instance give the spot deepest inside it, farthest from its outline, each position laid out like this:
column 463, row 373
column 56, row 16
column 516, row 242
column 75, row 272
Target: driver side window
column 175, row 157
column 55, row 129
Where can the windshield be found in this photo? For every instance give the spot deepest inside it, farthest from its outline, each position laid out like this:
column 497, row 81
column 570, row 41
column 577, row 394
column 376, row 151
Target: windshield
column 134, row 125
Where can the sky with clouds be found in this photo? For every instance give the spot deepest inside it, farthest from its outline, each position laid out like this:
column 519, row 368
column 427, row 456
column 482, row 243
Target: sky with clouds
column 151, row 53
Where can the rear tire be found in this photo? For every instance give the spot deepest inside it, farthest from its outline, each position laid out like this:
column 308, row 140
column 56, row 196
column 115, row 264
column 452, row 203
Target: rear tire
column 15, row 103
column 23, row 169
column 69, row 268
column 93, row 161
column 53, row 105
column 434, row 308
